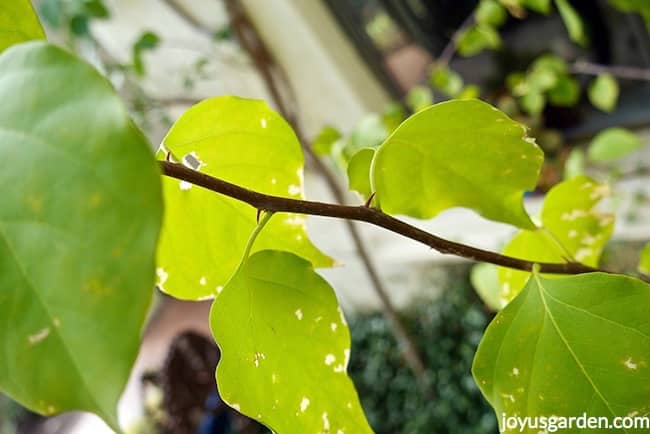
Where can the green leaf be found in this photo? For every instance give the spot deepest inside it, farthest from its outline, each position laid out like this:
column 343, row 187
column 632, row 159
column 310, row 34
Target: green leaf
column 571, row 229
column 603, row 92
column 565, row 93
column 572, row 21
column 204, row 234
column 485, row 281
column 644, row 260
column 541, row 6
column 18, row 23
column 325, row 139
column 612, row 144
column 642, row 7
column 78, row 228
column 478, row 38
column 568, row 346
column 470, row 91
column 359, row 172
column 447, row 81
column 285, row 348
column 393, row 115
column 490, row 12
column 419, row 97
column 457, row 153
column 533, row 102
column 574, row 164
column 147, row 41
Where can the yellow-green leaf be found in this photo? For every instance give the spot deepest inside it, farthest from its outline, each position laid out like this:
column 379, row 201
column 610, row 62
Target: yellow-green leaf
column 285, row 348
column 644, row 260
column 603, row 92
column 359, row 172
column 571, row 229
column 457, row 153
column 612, row 144
column 573, row 22
column 18, row 23
column 204, row 234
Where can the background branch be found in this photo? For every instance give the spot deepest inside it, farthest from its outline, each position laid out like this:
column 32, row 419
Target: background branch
column 624, row 72
column 276, row 82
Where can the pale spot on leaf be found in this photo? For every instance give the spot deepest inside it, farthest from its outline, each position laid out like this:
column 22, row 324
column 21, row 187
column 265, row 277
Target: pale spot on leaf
column 203, row 281
column 39, row 336
column 184, row 185
column 629, row 364
column 329, row 359
column 298, row 313
column 304, row 404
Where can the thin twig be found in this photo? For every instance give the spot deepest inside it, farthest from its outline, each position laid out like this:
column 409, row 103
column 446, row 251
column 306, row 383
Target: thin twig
column 623, row 72
column 450, row 49
column 373, row 216
column 274, row 77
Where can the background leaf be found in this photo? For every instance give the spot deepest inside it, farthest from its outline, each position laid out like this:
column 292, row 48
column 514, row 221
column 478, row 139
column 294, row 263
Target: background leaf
column 572, row 229
column 485, row 281
column 204, row 234
column 573, row 22
column 78, row 229
column 457, row 153
column 568, row 346
column 285, row 348
column 18, row 23
column 603, row 92
column 612, row 144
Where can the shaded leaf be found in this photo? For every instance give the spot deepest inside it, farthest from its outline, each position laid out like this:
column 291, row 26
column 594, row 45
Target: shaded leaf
column 612, row 144
column 285, row 348
column 447, row 81
column 359, row 172
column 571, row 229
column 78, row 229
column 603, row 92
column 478, row 38
column 490, row 12
column 18, row 23
column 568, row 346
column 565, row 93
column 325, row 139
column 419, row 97
column 533, row 102
column 204, row 234
column 146, row 41
column 485, row 281
column 457, row 153
column 572, row 21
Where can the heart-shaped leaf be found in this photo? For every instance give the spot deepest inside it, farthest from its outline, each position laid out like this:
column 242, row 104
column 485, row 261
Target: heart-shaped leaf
column 285, row 348
column 204, row 234
column 568, row 346
column 18, row 23
column 457, row 153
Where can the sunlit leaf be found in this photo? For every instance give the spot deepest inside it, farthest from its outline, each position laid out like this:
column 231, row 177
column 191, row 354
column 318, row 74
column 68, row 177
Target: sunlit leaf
column 572, row 21
column 612, row 144
column 78, row 228
column 285, row 348
column 204, row 234
column 457, row 153
column 359, row 172
column 572, row 229
column 603, row 92
column 569, row 346
column 18, row 23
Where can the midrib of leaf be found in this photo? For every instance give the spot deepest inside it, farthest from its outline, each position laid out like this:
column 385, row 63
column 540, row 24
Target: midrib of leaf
column 542, row 291
column 107, row 415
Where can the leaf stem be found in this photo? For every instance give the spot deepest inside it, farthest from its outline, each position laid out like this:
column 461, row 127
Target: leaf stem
column 624, row 72
column 364, row 214
column 263, row 220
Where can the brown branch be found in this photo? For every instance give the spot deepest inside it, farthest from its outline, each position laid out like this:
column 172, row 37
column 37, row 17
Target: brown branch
column 624, row 72
column 373, row 216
